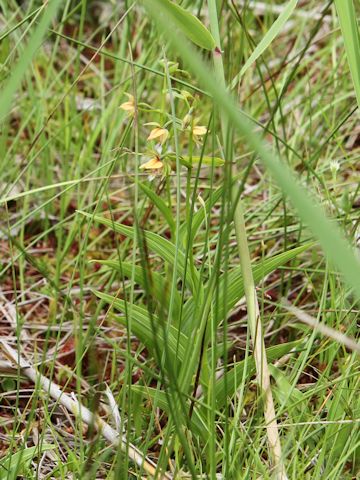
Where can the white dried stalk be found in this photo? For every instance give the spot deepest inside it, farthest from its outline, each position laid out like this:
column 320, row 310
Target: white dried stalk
column 79, row 410
column 339, row 337
column 114, row 409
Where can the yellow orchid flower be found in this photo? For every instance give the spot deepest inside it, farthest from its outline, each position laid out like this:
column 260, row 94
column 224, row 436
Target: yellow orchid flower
column 129, row 106
column 199, row 130
column 159, row 133
column 153, row 164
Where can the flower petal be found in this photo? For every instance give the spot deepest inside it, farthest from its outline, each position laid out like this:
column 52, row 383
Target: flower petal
column 199, row 130
column 130, row 105
column 127, row 106
column 153, row 164
column 160, row 133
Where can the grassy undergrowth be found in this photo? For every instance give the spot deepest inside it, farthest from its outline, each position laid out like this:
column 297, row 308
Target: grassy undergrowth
column 125, row 153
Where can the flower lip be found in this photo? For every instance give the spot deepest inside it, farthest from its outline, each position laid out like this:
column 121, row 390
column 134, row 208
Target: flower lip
column 199, row 130
column 159, row 133
column 153, row 164
column 130, row 105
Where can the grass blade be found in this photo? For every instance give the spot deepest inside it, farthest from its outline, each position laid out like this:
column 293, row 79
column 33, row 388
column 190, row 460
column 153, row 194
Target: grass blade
column 270, row 35
column 229, row 383
column 235, row 283
column 160, row 204
column 350, row 32
column 6, row 95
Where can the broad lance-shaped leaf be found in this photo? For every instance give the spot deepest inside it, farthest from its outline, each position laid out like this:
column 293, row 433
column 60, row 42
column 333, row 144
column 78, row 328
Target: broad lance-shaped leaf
column 160, row 204
column 159, row 399
column 337, row 434
column 143, row 328
column 294, row 402
column 231, row 380
column 199, row 217
column 205, row 160
column 158, row 244
column 190, row 162
column 288, row 395
column 229, row 383
column 231, row 285
column 15, row 464
column 188, row 24
column 160, row 287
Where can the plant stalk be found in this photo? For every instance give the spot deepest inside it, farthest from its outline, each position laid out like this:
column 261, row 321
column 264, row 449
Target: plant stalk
column 254, row 319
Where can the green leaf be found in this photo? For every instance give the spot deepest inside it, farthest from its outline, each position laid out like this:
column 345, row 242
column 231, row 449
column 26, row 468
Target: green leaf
column 295, row 402
column 337, row 434
column 229, row 383
column 160, row 204
column 231, row 380
column 231, row 285
column 143, row 328
column 158, row 244
column 160, row 287
column 270, row 35
column 159, row 398
column 188, row 24
column 286, row 393
column 350, row 32
column 215, row 161
column 16, row 464
column 199, row 216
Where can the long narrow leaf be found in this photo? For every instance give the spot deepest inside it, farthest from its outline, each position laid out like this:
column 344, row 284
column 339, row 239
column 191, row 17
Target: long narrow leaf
column 198, row 419
column 229, row 383
column 270, row 35
column 231, row 284
column 199, row 216
column 160, row 204
column 160, row 288
column 155, row 242
column 13, row 465
column 142, row 327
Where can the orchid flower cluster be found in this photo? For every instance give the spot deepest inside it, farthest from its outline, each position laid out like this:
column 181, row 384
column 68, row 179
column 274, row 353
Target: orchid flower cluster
column 159, row 155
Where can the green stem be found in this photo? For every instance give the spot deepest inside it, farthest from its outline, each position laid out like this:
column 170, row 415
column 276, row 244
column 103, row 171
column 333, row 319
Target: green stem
column 254, row 319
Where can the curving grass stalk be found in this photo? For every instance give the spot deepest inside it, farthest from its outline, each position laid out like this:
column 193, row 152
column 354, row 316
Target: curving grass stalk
column 254, row 319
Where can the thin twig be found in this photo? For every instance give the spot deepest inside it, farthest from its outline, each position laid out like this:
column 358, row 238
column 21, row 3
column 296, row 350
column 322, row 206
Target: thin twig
column 339, row 337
